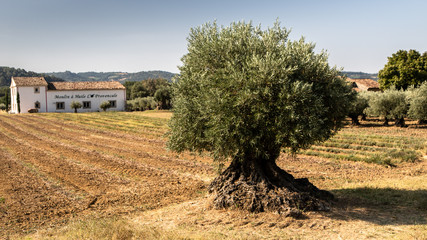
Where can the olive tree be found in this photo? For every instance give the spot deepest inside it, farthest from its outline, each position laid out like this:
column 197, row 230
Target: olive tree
column 418, row 103
column 105, row 105
column 390, row 104
column 357, row 108
column 245, row 94
column 75, row 105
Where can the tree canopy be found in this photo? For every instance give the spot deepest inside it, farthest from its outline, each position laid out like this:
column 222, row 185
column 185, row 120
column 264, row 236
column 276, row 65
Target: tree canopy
column 391, row 103
column 357, row 108
column 418, row 103
column 138, row 91
column 76, row 105
column 404, row 69
column 240, row 86
column 162, row 96
column 245, row 94
column 148, row 94
column 105, row 105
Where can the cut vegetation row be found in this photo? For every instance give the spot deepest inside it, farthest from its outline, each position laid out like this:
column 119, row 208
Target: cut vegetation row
column 359, row 144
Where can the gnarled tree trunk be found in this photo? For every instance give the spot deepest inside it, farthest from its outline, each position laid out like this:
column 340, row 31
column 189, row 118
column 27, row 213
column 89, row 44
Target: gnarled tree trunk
column 259, row 186
column 354, row 120
column 400, row 122
column 385, row 121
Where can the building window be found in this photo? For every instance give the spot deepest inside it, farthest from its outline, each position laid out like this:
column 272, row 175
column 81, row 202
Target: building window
column 60, row 105
column 86, row 104
column 37, row 105
column 36, row 90
column 113, row 104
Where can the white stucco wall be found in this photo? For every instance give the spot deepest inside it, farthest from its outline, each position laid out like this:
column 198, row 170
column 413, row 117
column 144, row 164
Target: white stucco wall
column 96, row 97
column 13, row 104
column 28, row 97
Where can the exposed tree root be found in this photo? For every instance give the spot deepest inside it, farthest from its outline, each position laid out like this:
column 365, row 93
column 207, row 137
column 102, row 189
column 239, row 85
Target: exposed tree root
column 259, row 187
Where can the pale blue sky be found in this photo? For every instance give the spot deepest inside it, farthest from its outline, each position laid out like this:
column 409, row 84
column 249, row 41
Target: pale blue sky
column 132, row 36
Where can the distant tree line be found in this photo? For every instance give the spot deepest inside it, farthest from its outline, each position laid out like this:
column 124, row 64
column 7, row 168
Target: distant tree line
column 108, row 76
column 6, row 74
column 4, row 98
column 148, row 94
column 361, row 75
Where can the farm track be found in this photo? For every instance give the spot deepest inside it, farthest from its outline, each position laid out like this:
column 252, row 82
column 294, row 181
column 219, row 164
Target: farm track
column 105, row 171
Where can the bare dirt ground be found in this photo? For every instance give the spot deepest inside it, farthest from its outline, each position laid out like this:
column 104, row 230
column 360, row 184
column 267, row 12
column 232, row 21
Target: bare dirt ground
column 51, row 171
column 55, row 171
column 372, row 202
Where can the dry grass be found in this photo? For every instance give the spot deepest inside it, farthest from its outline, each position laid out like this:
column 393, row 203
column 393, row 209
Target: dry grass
column 372, row 201
column 155, row 114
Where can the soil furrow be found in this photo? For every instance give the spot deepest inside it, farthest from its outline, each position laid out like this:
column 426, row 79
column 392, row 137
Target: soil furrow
column 83, row 128
column 155, row 157
column 105, row 161
column 100, row 125
column 157, row 182
column 93, row 181
column 29, row 199
column 103, row 180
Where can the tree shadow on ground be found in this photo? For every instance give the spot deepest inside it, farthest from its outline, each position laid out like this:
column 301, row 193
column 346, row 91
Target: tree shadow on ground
column 382, row 206
column 391, row 125
column 373, row 125
column 379, row 123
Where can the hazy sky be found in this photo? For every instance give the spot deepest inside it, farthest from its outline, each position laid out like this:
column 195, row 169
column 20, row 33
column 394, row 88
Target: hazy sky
column 132, row 36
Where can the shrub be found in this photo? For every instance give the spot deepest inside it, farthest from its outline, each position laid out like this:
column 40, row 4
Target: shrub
column 141, row 104
column 105, row 105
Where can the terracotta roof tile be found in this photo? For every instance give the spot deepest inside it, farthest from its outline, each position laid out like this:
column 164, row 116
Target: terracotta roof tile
column 85, row 85
column 365, row 84
column 29, row 81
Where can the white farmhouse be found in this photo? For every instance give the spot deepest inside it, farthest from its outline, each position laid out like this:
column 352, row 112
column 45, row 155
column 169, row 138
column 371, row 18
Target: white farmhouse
column 36, row 93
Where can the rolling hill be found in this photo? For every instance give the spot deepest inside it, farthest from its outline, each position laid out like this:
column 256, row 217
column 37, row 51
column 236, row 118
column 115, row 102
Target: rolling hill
column 7, row 72
column 107, row 76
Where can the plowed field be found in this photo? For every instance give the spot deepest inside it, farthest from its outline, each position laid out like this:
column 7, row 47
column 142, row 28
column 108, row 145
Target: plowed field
column 53, row 169
column 68, row 176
